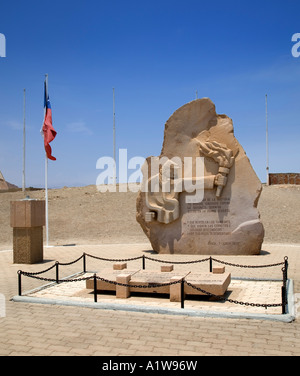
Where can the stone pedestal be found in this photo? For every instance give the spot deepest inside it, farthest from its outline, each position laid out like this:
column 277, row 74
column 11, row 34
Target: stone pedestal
column 27, row 217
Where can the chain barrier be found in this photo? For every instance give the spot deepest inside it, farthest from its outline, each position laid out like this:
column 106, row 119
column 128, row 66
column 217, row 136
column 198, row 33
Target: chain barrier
column 114, row 260
column 147, row 284
column 154, row 285
column 231, row 300
column 35, row 275
column 72, row 262
column 176, row 262
column 247, row 266
column 29, row 274
column 160, row 261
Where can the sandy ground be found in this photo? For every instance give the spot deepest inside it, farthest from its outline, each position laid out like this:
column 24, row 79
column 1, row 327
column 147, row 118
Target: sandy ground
column 82, row 215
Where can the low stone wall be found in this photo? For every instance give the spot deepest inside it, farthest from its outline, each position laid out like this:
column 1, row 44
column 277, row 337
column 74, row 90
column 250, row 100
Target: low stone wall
column 284, row 178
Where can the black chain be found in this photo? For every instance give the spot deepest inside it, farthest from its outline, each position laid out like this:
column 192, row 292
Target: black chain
column 231, row 300
column 72, row 262
column 36, row 273
column 114, row 260
column 147, row 284
column 156, row 260
column 247, row 266
column 53, row 280
column 176, row 262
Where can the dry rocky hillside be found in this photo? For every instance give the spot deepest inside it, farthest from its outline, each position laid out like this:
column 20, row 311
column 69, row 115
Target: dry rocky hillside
column 85, row 216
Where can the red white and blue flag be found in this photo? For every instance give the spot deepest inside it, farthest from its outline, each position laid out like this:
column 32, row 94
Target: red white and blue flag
column 48, row 132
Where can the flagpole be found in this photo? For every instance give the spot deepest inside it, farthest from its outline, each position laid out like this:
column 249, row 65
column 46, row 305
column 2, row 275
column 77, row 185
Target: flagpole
column 46, row 181
column 46, row 199
column 24, row 136
column 114, row 137
column 267, row 142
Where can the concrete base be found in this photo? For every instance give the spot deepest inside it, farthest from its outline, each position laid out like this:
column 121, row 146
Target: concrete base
column 27, row 245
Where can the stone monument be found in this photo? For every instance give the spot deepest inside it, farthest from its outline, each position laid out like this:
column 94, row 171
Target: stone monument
column 200, row 195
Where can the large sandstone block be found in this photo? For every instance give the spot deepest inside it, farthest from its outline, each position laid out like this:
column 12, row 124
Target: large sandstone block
column 27, row 213
column 27, row 245
column 27, row 217
column 220, row 216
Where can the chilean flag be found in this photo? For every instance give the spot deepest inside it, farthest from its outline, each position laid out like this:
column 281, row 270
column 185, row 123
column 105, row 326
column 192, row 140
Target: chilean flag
column 48, row 132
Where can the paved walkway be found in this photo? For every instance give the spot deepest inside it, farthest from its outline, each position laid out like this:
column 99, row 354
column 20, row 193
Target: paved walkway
column 40, row 329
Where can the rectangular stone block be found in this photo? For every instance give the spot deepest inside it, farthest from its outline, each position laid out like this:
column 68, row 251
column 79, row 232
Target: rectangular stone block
column 119, row 266
column 218, row 269
column 166, row 268
column 123, row 292
column 175, row 290
column 216, row 284
column 27, row 213
column 28, row 245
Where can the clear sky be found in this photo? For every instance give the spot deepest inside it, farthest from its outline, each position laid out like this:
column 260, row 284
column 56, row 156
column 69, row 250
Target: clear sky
column 156, row 54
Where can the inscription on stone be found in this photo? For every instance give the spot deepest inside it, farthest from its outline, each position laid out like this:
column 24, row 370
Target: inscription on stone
column 210, row 205
column 208, row 227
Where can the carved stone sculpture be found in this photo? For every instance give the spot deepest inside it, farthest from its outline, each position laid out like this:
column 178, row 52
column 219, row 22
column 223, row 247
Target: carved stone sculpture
column 200, row 195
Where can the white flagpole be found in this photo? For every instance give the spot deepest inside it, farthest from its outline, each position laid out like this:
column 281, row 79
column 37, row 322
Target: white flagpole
column 46, row 199
column 267, row 142
column 114, row 137
column 23, row 180
column 46, row 179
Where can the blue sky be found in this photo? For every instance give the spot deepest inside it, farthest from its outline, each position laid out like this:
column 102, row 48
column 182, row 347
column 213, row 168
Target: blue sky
column 156, row 54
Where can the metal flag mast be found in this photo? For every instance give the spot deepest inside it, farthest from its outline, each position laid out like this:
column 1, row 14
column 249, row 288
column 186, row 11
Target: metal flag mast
column 267, row 142
column 46, row 174
column 24, row 139
column 114, row 138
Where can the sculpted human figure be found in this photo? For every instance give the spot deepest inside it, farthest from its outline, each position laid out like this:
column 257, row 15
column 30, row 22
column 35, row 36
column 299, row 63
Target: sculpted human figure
column 163, row 188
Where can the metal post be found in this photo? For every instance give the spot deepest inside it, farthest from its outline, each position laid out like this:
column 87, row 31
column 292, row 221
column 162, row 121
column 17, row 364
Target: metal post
column 210, row 264
column 182, row 293
column 283, row 290
column 95, row 288
column 286, row 265
column 143, row 262
column 84, row 263
column 57, row 275
column 284, row 276
column 19, row 283
column 283, row 299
